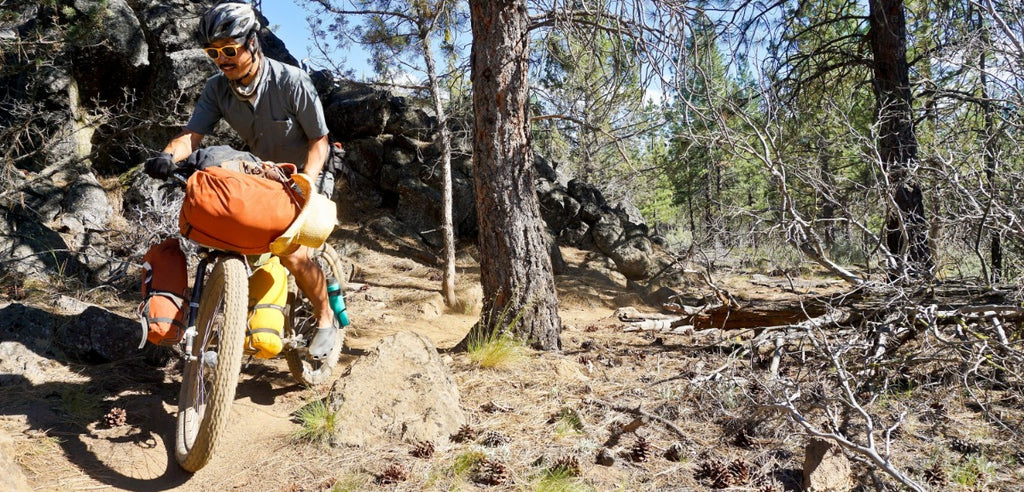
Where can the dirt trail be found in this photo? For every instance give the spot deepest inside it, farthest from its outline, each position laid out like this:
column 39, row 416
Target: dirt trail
column 256, row 453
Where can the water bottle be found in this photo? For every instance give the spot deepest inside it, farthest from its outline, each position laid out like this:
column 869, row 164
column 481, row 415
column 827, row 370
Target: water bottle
column 337, row 300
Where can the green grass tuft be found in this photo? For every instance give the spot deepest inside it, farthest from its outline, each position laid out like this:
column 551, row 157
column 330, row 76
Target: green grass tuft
column 318, row 423
column 495, row 350
column 467, row 461
column 559, row 480
column 972, row 472
column 568, row 421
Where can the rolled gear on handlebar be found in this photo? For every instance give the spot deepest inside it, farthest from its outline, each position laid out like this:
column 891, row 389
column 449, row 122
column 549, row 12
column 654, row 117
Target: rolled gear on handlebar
column 316, row 221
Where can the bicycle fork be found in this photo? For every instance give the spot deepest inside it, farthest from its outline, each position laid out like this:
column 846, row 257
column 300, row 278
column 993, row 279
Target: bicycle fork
column 209, row 357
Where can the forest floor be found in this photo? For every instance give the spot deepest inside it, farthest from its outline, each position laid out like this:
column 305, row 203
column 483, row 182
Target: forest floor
column 675, row 410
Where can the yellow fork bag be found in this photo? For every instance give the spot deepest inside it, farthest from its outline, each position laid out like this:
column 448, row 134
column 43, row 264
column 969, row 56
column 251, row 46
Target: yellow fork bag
column 268, row 293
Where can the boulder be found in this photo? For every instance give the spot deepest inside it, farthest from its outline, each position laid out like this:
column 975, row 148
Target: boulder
column 352, row 110
column 409, row 120
column 401, row 390
column 96, row 335
column 13, row 478
column 826, row 468
column 29, row 248
column 592, row 202
column 111, row 52
column 86, row 203
column 559, row 209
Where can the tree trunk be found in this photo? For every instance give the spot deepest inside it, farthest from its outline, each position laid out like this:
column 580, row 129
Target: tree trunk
column 906, row 227
column 995, row 247
column 447, row 226
column 515, row 265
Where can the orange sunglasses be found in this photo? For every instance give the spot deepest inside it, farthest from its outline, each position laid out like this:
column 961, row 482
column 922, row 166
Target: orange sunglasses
column 229, row 51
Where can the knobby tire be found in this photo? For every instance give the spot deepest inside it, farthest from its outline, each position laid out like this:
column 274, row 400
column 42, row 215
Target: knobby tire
column 204, row 402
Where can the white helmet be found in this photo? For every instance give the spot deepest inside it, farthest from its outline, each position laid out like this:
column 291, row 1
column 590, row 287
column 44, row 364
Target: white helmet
column 227, row 20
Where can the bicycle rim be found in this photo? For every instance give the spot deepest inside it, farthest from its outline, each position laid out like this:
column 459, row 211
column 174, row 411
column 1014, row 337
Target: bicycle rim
column 207, row 390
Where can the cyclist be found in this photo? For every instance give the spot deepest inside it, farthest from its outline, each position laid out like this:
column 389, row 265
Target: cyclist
column 275, row 109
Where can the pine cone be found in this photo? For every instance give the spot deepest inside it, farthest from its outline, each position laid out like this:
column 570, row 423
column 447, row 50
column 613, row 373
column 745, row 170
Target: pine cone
column 640, row 451
column 935, row 476
column 423, row 449
column 465, row 433
column 740, row 472
column 770, row 487
column 393, row 474
column 491, row 472
column 494, row 439
column 964, row 446
column 716, row 473
column 743, row 440
column 567, row 464
column 116, row 417
column 674, row 452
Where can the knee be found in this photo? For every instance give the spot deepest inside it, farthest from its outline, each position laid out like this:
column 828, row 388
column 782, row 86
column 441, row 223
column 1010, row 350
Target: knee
column 296, row 260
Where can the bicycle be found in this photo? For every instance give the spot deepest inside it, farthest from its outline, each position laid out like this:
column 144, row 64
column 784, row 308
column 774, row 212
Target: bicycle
column 213, row 346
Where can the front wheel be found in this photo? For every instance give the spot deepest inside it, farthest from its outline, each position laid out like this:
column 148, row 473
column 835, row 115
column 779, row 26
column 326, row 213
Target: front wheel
column 304, row 369
column 210, row 377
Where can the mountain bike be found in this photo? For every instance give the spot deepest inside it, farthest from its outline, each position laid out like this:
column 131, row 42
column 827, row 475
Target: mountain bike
column 213, row 345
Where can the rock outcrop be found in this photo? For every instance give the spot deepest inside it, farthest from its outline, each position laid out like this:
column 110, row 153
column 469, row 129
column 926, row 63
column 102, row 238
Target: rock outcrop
column 125, row 82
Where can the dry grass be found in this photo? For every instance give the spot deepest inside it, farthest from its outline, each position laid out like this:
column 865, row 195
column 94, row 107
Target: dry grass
column 666, row 408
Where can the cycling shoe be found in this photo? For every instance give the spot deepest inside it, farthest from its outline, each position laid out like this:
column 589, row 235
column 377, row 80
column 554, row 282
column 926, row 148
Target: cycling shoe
column 324, row 340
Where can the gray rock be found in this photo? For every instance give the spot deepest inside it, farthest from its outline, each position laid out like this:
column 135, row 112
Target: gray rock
column 410, row 121
column 592, row 202
column 633, row 259
column 356, row 111
column 97, row 335
column 558, row 208
column 113, row 51
column 32, row 249
column 400, row 390
column 187, row 71
column 171, row 24
column 87, row 202
column 27, row 366
column 576, row 234
column 419, row 206
column 117, row 28
column 366, row 157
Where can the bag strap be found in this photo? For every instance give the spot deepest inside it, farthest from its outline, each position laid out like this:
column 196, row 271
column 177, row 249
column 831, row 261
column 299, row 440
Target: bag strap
column 268, row 306
column 145, row 319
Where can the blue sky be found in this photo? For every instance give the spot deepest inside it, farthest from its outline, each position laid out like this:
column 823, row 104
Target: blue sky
column 288, row 18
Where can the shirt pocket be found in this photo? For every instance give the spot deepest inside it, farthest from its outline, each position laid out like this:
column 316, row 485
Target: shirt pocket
column 280, row 128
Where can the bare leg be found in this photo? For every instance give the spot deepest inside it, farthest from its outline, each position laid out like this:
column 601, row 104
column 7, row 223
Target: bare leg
column 311, row 280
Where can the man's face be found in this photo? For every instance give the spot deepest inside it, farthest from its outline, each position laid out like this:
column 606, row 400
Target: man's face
column 233, row 67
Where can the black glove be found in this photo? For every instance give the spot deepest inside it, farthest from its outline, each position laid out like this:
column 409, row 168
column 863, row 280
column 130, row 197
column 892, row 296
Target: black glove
column 160, row 166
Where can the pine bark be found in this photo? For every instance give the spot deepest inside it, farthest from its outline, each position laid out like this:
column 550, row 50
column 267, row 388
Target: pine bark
column 906, row 228
column 515, row 266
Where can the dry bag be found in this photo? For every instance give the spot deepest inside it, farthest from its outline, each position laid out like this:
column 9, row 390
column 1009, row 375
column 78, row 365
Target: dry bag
column 232, row 211
column 164, row 285
column 268, row 293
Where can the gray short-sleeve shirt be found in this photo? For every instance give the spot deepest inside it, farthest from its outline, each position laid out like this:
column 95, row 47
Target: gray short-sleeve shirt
column 278, row 124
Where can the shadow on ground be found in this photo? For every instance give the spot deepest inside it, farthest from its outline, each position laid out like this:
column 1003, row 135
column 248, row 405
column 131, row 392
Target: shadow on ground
column 69, row 400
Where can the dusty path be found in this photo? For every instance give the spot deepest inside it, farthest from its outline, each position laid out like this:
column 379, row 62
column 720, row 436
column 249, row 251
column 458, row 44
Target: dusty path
column 63, row 445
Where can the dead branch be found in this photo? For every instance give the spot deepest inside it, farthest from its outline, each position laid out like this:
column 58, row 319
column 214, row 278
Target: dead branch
column 643, row 418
